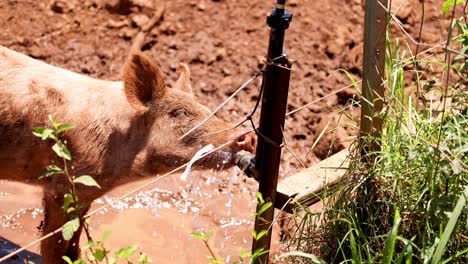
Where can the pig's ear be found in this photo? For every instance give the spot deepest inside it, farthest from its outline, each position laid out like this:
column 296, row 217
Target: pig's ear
column 183, row 83
column 143, row 81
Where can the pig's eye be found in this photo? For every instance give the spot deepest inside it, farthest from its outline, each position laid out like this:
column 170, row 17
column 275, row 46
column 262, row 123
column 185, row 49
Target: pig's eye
column 179, row 113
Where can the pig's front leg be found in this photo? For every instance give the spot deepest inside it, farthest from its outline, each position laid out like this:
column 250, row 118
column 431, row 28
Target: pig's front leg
column 54, row 247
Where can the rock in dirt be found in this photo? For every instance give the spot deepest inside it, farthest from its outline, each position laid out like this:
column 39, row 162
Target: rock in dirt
column 145, row 3
column 205, row 88
column 167, row 28
column 116, row 24
column 117, row 6
column 220, row 53
column 173, row 45
column 37, row 52
column 61, row 6
column 337, row 44
column 121, row 3
column 226, row 71
column 201, row 6
column 127, row 33
column 345, row 95
column 226, row 82
column 293, row 2
column 126, row 7
column 139, row 20
column 402, row 8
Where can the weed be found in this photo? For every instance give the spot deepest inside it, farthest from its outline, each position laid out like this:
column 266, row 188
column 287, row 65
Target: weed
column 409, row 204
column 95, row 250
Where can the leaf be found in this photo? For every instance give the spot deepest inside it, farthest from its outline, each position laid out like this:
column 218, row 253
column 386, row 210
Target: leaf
column 54, row 122
column 112, row 260
column 69, row 228
column 261, row 234
column 61, row 150
column 65, row 127
column 389, row 248
column 90, row 244
column 260, row 198
column 68, row 199
column 450, row 3
column 198, row 235
column 51, row 170
column 254, row 233
column 67, row 260
column 439, row 252
column 143, row 259
column 100, row 254
column 215, row 261
column 259, row 252
column 105, row 235
column 71, row 209
column 86, row 180
column 127, row 252
column 263, row 208
column 202, row 236
column 243, row 254
column 43, row 133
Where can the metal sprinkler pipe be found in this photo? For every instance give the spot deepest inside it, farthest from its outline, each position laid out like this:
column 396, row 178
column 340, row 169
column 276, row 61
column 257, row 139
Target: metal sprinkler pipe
column 265, row 166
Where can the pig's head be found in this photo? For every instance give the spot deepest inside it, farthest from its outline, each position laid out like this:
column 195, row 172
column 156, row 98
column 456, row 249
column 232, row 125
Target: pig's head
column 172, row 112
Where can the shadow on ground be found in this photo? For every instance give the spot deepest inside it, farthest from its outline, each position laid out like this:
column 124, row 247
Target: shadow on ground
column 6, row 247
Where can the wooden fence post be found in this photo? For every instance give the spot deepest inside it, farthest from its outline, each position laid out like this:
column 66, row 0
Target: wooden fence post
column 375, row 25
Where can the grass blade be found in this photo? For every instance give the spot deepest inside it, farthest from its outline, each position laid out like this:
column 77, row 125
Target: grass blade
column 450, row 227
column 392, row 237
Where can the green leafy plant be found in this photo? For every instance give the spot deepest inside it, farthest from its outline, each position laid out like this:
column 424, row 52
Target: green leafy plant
column 70, row 201
column 205, row 237
column 449, row 4
column 262, row 206
column 95, row 251
column 243, row 255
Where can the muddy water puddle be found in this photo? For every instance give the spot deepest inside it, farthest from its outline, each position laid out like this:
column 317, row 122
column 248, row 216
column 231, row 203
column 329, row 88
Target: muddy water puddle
column 159, row 219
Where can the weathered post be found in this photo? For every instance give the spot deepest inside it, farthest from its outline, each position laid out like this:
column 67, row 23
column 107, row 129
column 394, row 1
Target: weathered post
column 375, row 25
column 270, row 132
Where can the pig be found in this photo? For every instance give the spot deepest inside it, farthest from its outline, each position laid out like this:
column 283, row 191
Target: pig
column 125, row 131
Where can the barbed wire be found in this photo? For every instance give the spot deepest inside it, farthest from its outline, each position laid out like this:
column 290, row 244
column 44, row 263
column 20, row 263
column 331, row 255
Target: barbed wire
column 248, row 118
column 435, row 46
column 223, row 103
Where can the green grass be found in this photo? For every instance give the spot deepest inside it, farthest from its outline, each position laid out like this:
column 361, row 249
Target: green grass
column 409, row 206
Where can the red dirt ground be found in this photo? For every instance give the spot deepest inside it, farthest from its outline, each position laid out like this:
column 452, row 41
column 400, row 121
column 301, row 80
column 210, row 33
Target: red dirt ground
column 224, row 42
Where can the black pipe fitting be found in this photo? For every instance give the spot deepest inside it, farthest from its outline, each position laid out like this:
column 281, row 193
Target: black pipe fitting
column 246, row 163
column 279, row 19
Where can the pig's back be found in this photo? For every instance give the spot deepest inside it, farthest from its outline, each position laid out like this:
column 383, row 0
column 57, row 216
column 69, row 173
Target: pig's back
column 30, row 90
column 33, row 89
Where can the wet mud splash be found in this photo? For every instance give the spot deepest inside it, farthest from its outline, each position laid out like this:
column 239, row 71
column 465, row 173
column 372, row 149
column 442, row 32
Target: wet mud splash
column 160, row 220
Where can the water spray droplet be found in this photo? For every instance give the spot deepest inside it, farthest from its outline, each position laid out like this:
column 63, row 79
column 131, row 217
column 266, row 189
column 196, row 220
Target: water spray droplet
column 195, row 157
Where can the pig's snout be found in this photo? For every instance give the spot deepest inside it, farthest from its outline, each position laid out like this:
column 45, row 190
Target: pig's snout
column 246, row 141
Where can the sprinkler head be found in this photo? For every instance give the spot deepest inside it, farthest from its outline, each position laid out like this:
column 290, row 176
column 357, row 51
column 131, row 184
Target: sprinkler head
column 279, row 19
column 246, row 163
